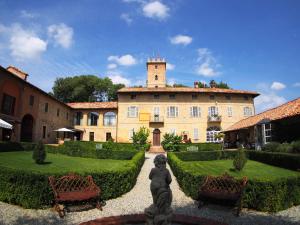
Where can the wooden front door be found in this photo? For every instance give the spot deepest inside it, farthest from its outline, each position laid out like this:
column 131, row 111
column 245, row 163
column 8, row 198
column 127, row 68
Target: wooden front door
column 156, row 137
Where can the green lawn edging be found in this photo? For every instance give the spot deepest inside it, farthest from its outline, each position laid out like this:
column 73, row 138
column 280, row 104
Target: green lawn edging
column 263, row 195
column 30, row 189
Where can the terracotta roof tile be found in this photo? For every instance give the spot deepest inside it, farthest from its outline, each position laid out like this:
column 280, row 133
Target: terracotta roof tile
column 93, row 105
column 186, row 89
column 289, row 109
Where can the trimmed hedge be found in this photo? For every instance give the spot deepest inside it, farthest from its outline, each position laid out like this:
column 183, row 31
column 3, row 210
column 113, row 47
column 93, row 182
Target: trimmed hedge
column 260, row 195
column 73, row 149
column 9, row 146
column 201, row 146
column 205, row 155
column 31, row 189
column 91, row 145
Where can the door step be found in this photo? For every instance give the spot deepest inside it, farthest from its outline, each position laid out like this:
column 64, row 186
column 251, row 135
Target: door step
column 156, row 149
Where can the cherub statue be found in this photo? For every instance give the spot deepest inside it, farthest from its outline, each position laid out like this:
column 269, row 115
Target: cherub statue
column 160, row 212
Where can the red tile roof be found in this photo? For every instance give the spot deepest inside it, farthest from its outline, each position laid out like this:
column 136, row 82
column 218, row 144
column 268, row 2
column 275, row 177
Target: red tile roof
column 185, row 89
column 93, row 105
column 289, row 109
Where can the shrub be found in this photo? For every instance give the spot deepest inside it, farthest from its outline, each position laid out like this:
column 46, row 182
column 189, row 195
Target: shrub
column 31, row 189
column 296, row 146
column 201, row 146
column 140, row 138
column 263, row 195
column 240, row 160
column 285, row 147
column 171, row 142
column 205, row 155
column 9, row 146
column 271, row 147
column 39, row 153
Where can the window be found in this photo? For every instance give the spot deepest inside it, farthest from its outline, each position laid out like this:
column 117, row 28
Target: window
column 247, row 111
column 172, row 111
column 78, row 118
column 196, row 134
column 31, row 100
column 108, row 136
column 267, row 132
column 194, row 96
column 212, row 97
column 156, row 96
column 44, row 131
column 246, row 97
column 109, row 119
column 57, row 112
column 212, row 111
column 46, row 107
column 156, row 111
column 195, row 111
column 93, row 118
column 229, row 111
column 132, row 111
column 172, row 96
column 156, row 86
column 133, row 96
column 156, row 77
column 155, row 66
column 211, row 134
column 8, row 104
column 131, row 132
column 173, row 131
column 92, row 135
column 228, row 97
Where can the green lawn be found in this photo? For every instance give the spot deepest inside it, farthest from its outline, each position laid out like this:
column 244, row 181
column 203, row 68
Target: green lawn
column 253, row 170
column 58, row 163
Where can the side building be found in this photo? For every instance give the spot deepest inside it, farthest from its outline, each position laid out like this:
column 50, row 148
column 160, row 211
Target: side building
column 196, row 114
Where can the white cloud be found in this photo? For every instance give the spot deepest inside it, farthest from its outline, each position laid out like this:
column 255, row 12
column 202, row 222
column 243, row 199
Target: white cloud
column 28, row 15
column 25, row 44
column 119, row 79
column 181, row 40
column 156, row 10
column 125, row 60
column 171, row 81
column 61, row 34
column 297, row 84
column 112, row 66
column 267, row 101
column 208, row 64
column 170, row 66
column 126, row 17
column 277, row 86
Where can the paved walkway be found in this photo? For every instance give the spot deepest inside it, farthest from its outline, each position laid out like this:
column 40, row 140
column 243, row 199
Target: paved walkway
column 137, row 200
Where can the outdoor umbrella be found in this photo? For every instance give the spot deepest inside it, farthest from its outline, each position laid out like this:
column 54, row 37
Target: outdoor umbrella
column 5, row 125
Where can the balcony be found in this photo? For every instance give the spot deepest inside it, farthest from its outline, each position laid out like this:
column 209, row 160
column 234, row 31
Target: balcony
column 156, row 119
column 214, row 118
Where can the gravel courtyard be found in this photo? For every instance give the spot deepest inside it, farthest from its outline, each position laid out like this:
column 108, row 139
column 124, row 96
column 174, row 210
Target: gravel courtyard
column 138, row 199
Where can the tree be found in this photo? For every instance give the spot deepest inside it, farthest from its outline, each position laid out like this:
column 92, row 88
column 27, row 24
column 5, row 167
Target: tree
column 240, row 159
column 171, row 142
column 214, row 84
column 140, row 138
column 85, row 88
column 39, row 153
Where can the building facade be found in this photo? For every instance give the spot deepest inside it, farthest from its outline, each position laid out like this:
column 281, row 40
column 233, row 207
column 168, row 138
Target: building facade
column 196, row 114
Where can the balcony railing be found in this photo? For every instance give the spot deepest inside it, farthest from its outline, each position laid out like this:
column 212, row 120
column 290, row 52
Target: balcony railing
column 156, row 119
column 214, row 118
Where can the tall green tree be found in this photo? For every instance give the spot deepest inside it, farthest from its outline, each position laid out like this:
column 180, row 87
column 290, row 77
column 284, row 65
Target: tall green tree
column 85, row 88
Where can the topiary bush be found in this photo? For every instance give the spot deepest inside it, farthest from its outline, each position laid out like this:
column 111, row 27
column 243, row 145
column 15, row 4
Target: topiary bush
column 171, row 142
column 240, row 160
column 39, row 153
column 139, row 139
column 32, row 190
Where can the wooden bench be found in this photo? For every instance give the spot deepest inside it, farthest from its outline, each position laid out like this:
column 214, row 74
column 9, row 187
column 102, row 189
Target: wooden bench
column 72, row 188
column 223, row 187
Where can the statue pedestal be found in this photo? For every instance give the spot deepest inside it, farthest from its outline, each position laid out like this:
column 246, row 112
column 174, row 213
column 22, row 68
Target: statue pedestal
column 154, row 217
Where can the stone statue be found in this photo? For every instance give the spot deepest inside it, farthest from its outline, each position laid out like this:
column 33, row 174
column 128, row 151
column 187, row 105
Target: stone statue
column 160, row 212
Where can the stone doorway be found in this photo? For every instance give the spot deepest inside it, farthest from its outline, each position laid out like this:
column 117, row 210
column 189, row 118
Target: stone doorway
column 27, row 128
column 156, row 137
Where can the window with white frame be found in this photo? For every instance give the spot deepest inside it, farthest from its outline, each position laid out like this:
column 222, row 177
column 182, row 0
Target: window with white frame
column 172, row 111
column 229, row 111
column 247, row 111
column 156, row 111
column 267, row 132
column 173, row 131
column 211, row 134
column 109, row 119
column 212, row 111
column 195, row 111
column 132, row 111
column 196, row 134
column 131, row 132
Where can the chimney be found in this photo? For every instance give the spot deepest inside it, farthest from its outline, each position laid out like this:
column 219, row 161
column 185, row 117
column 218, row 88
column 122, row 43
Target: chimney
column 196, row 84
column 17, row 72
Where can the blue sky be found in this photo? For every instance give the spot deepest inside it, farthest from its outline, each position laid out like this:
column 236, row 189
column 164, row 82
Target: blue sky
column 251, row 45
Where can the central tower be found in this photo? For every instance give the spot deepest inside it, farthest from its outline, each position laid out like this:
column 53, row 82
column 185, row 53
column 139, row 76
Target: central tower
column 156, row 72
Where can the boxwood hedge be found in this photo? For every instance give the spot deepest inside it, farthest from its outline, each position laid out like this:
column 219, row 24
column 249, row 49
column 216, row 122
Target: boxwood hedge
column 31, row 189
column 9, row 146
column 263, row 195
column 201, row 146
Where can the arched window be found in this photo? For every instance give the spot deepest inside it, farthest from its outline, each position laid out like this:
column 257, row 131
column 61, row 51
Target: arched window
column 156, row 77
column 210, row 134
column 109, row 119
column 93, row 118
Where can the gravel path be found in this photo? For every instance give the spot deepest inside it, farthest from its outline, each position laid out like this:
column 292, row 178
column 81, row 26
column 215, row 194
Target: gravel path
column 138, row 199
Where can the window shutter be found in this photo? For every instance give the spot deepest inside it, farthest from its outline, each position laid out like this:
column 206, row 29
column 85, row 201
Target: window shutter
column 89, row 119
column 128, row 112
column 176, row 111
column 191, row 111
column 168, row 112
column 216, row 111
column 199, row 112
column 196, row 133
column 136, row 111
